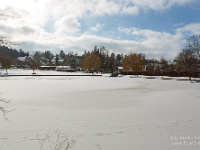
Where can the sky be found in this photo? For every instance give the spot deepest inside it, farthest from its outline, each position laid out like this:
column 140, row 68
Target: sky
column 157, row 28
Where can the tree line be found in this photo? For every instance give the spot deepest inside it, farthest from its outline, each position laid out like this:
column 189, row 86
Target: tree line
column 101, row 60
column 186, row 63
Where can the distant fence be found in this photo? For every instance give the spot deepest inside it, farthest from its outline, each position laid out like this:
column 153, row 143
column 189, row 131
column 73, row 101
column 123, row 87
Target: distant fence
column 58, row 68
column 37, row 75
column 47, row 68
column 171, row 74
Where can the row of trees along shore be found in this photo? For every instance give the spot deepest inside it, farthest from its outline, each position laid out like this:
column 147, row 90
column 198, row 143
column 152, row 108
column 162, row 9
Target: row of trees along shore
column 187, row 62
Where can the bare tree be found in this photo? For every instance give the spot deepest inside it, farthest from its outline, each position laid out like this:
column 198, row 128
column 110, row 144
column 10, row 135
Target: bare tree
column 92, row 63
column 134, row 62
column 6, row 62
column 187, row 61
column 37, row 56
column 193, row 43
column 33, row 65
column 152, row 66
column 163, row 65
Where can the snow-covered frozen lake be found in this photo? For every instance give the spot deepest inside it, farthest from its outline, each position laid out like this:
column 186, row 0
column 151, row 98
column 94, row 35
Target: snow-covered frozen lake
column 104, row 113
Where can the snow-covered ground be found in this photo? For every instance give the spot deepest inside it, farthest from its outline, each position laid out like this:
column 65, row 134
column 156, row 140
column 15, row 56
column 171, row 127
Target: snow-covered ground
column 104, row 113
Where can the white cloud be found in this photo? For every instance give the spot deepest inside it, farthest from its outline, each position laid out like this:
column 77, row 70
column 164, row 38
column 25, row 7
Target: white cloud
column 152, row 47
column 145, row 34
column 159, row 4
column 130, row 10
column 161, row 43
column 96, row 28
column 193, row 28
column 125, row 30
column 64, row 16
column 156, row 44
column 68, row 24
column 178, row 24
column 27, row 5
column 79, row 8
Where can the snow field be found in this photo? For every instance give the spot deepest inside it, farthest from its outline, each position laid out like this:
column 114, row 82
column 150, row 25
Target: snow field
column 100, row 112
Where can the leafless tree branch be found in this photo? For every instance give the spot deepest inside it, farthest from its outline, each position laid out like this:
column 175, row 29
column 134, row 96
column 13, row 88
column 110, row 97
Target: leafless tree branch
column 4, row 109
column 4, row 16
column 3, row 41
column 60, row 143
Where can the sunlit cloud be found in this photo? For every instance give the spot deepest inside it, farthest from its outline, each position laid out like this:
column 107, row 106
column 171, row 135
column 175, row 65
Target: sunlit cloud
column 78, row 25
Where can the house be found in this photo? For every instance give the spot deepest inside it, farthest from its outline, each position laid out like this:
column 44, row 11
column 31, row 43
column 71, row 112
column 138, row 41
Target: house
column 47, row 68
column 60, row 60
column 24, row 61
column 64, row 68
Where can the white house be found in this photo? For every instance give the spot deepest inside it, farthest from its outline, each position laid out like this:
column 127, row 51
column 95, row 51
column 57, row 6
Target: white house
column 22, row 59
